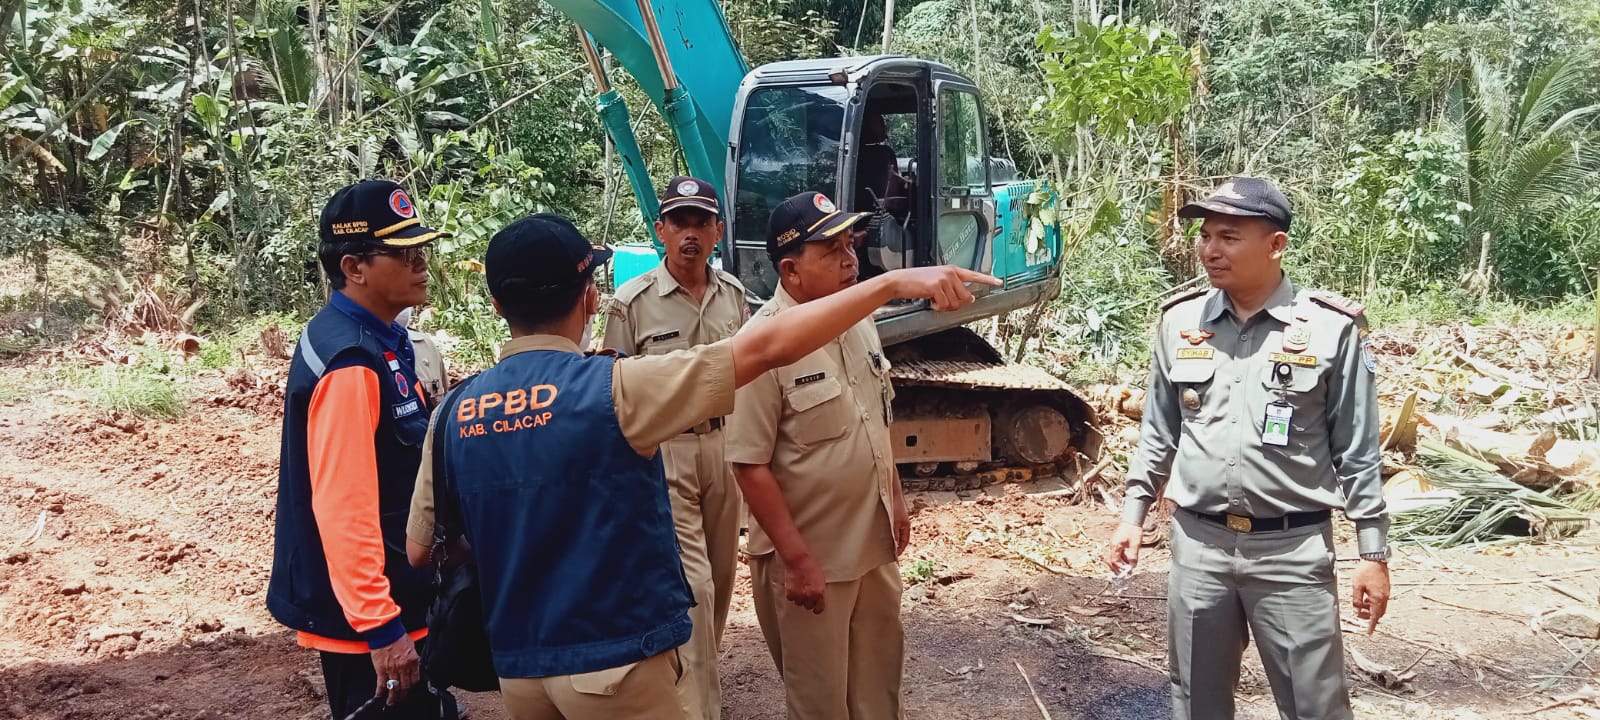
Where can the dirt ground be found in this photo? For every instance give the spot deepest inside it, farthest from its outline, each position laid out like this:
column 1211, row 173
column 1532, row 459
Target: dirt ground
column 141, row 596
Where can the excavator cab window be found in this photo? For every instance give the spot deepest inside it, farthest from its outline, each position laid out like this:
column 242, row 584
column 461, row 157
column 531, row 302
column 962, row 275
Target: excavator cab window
column 788, row 143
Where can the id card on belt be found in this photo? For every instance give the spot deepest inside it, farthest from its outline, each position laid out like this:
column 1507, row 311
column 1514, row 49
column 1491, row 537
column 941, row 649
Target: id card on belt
column 1275, row 429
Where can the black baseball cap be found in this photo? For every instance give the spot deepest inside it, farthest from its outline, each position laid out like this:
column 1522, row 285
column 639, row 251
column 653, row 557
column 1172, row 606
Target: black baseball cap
column 1245, row 197
column 808, row 217
column 684, row 191
column 376, row 212
column 537, row 257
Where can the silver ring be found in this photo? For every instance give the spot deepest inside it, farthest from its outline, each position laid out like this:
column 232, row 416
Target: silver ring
column 392, row 684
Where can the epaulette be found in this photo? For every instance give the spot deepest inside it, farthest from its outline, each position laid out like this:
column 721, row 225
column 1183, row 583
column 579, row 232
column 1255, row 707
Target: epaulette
column 609, row 352
column 632, row 288
column 1338, row 303
column 731, row 280
column 1179, row 297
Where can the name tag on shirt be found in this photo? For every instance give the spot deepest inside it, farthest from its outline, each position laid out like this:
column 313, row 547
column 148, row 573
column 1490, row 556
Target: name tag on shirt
column 808, row 379
column 407, row 408
column 1275, row 429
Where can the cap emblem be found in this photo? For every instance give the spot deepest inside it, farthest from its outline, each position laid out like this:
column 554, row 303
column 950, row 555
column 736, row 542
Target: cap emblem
column 823, row 203
column 400, row 203
column 688, row 187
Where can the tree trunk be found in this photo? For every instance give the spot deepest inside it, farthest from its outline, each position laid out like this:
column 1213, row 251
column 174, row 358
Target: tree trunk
column 1479, row 282
column 888, row 24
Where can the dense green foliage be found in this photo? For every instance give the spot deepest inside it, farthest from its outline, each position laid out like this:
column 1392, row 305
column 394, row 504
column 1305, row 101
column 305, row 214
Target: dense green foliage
column 1428, row 145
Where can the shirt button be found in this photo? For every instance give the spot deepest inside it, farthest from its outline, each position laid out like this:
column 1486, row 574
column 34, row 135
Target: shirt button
column 1234, row 420
column 1244, row 336
column 1230, row 461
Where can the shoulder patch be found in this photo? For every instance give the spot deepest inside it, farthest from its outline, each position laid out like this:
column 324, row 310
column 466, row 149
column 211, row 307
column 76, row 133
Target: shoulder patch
column 1338, row 303
column 1179, row 297
column 632, row 288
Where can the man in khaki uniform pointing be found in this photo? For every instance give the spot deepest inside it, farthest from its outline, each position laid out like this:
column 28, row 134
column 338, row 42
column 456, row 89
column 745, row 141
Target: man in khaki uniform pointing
column 810, row 446
column 682, row 303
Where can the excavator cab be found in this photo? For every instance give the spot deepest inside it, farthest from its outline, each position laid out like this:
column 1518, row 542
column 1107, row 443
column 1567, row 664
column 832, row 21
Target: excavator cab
column 900, row 137
column 904, row 138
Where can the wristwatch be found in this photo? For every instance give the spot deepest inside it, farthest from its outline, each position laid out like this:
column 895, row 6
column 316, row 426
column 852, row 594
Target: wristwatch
column 1379, row 556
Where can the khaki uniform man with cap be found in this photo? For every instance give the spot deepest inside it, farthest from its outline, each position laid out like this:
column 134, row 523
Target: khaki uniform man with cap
column 1262, row 417
column 680, row 304
column 553, row 474
column 810, row 446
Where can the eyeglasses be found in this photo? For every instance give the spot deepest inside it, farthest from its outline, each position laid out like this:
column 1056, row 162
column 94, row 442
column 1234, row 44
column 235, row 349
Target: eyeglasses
column 416, row 257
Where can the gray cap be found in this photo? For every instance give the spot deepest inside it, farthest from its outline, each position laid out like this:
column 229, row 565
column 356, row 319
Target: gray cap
column 1244, row 197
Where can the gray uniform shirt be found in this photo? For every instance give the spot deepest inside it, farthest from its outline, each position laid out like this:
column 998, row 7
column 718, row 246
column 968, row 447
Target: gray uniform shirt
column 1212, row 379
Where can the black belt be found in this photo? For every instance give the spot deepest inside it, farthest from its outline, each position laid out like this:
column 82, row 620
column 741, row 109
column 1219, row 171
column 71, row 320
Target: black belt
column 1245, row 524
column 712, row 425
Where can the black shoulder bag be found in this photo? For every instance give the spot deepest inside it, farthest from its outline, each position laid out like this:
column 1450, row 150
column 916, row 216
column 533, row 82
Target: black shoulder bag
column 457, row 651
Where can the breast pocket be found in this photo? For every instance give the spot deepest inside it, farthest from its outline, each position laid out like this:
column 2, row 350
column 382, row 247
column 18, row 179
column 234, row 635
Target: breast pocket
column 1193, row 381
column 1302, row 390
column 817, row 411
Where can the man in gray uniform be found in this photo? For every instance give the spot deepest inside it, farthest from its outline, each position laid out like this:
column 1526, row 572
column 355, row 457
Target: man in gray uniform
column 1262, row 416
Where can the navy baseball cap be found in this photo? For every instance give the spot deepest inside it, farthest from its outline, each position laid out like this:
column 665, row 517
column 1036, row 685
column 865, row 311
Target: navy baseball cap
column 807, row 217
column 376, row 212
column 689, row 192
column 539, row 256
column 1244, row 197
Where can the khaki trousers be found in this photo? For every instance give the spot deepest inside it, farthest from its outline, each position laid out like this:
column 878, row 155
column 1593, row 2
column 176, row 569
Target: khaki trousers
column 844, row 664
column 645, row 690
column 705, row 511
column 1276, row 586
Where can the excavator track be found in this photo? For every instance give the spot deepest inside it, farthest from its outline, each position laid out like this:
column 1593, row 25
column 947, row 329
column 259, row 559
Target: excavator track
column 964, row 418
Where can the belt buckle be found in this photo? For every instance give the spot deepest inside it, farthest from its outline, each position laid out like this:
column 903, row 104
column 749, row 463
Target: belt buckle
column 1238, row 523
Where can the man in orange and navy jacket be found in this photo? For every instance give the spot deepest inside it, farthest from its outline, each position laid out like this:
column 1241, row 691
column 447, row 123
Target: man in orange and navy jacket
column 353, row 423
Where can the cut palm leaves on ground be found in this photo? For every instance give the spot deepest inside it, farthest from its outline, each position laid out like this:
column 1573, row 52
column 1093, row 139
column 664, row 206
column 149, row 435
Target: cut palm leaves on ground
column 1472, row 503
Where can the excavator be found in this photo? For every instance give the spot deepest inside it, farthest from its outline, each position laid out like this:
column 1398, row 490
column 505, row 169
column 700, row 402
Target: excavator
column 901, row 137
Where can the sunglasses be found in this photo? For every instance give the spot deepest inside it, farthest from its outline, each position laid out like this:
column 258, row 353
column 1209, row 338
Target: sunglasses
column 416, row 257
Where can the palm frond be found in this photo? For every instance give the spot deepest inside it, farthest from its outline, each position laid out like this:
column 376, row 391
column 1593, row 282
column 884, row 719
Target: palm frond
column 1551, row 88
column 1483, row 506
column 1535, row 174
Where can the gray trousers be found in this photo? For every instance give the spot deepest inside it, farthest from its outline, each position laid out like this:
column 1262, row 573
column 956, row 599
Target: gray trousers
column 1276, row 586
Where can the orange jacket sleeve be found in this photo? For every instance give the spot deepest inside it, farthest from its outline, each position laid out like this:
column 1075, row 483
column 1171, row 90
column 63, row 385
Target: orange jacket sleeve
column 344, row 415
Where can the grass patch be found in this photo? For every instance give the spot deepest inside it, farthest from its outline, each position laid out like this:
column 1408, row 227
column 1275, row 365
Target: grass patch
column 920, row 571
column 224, row 348
column 134, row 390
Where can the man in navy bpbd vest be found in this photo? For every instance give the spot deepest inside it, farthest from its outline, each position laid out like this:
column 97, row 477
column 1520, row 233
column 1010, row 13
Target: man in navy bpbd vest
column 353, row 422
column 554, row 461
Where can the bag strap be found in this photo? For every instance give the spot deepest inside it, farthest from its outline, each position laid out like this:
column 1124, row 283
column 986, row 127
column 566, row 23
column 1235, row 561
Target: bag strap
column 443, row 489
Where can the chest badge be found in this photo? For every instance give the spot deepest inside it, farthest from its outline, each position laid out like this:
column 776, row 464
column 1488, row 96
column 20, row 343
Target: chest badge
column 1191, row 398
column 401, row 384
column 1197, row 336
column 1296, row 338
